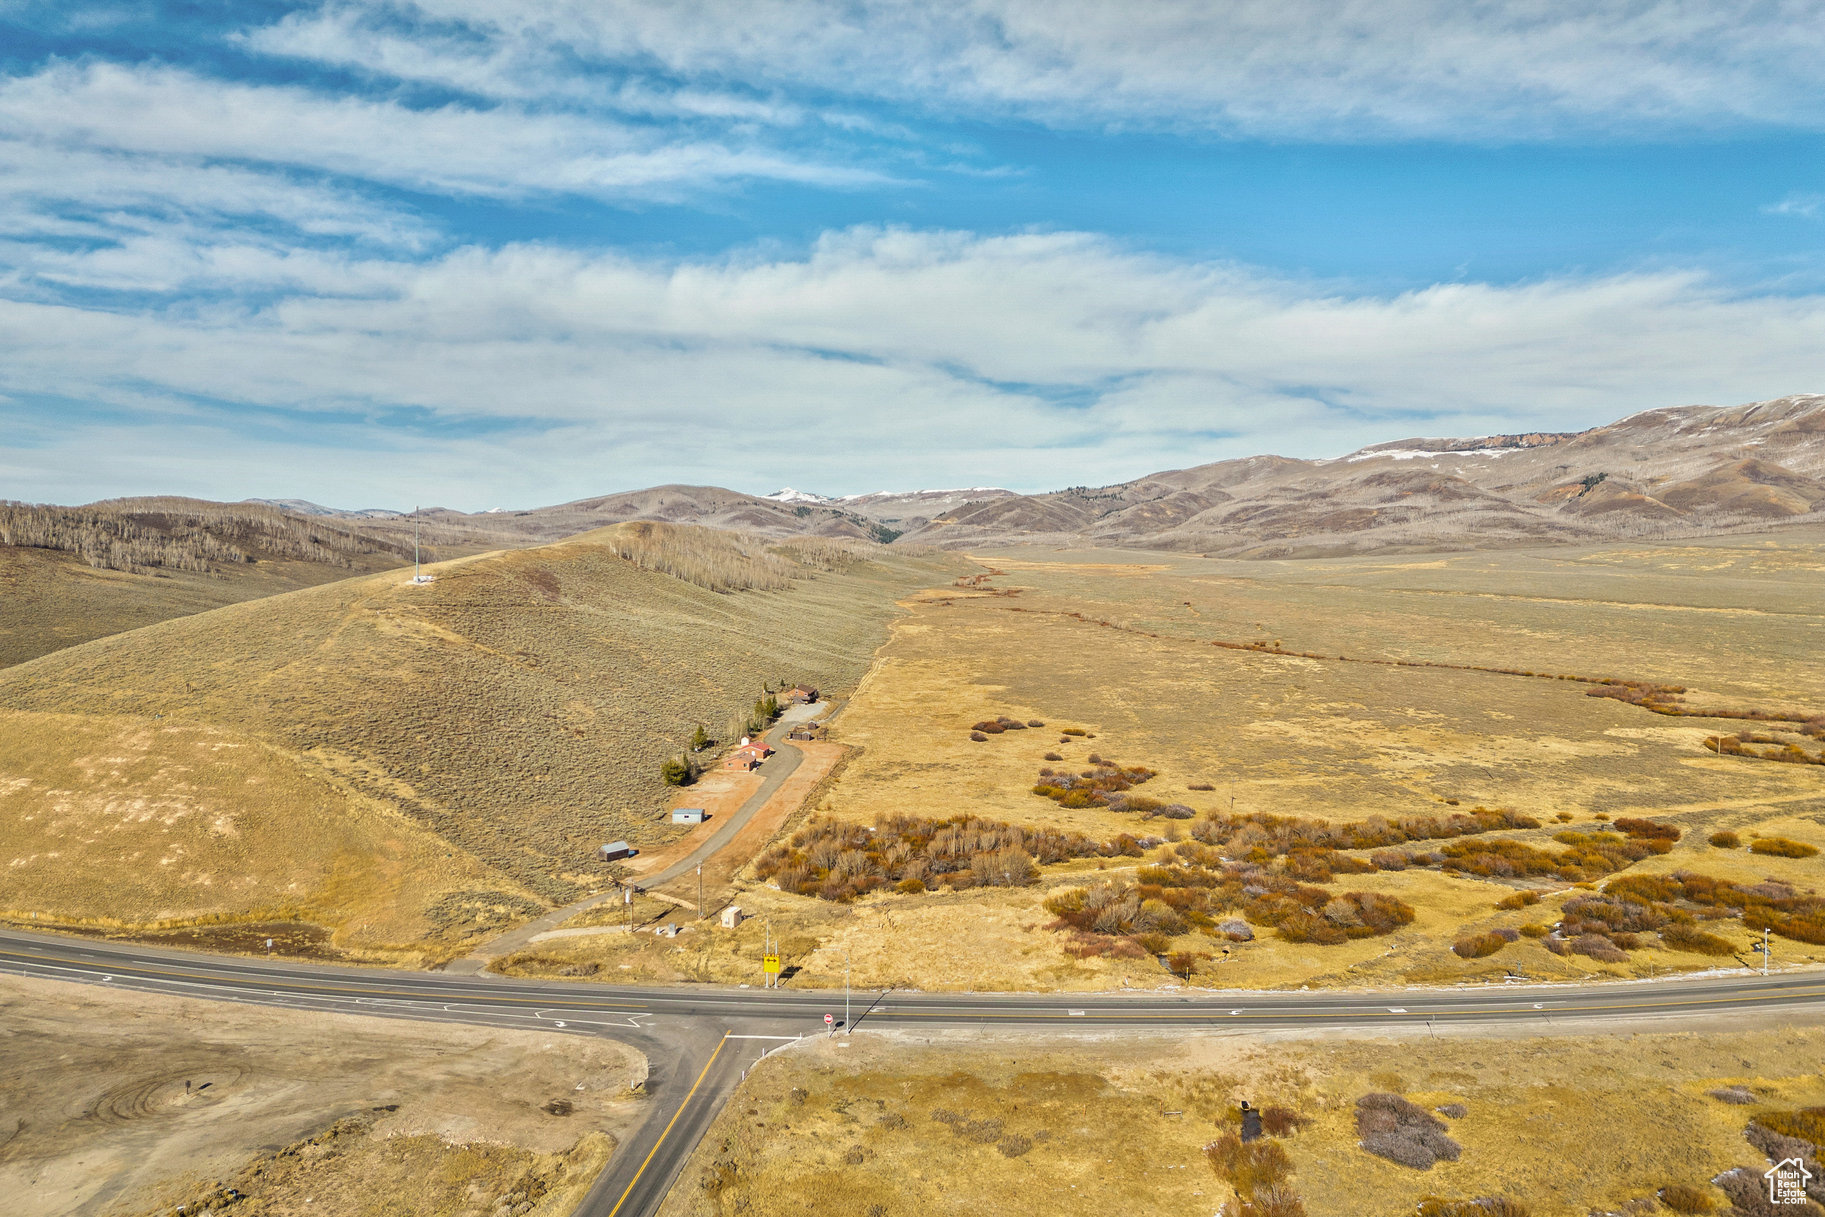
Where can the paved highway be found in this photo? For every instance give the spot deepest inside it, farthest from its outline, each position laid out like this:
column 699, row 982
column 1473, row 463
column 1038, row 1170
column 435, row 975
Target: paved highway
column 699, row 1039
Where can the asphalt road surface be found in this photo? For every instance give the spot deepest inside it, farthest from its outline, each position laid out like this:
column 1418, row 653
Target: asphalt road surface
column 699, row 1039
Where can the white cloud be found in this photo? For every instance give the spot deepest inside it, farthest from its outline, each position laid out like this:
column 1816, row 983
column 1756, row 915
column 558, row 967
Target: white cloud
column 498, row 152
column 1800, row 206
column 883, row 357
column 1280, row 68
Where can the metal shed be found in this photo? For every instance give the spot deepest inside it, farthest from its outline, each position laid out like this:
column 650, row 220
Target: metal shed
column 614, row 850
column 687, row 815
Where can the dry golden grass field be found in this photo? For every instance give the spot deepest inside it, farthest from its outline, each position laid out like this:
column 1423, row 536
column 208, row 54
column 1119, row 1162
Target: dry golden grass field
column 129, row 1104
column 1000, row 1124
column 406, row 766
column 1119, row 646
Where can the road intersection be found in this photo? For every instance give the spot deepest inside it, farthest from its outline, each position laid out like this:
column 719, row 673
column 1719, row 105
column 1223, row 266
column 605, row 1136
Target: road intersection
column 698, row 1039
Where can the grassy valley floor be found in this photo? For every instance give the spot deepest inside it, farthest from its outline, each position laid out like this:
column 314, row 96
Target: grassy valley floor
column 1005, row 1125
column 1114, row 653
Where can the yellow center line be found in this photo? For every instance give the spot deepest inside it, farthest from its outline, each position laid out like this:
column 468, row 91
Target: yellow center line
column 631, row 1183
column 255, row 983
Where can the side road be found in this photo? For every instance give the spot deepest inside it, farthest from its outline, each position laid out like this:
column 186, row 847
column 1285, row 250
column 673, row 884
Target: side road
column 774, row 772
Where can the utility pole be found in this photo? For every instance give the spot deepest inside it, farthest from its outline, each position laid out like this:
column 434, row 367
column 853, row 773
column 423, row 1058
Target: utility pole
column 700, row 891
column 627, row 898
column 1764, row 950
column 846, row 991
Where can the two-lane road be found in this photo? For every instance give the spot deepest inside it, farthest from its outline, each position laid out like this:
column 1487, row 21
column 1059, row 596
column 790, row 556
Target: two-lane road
column 699, row 1038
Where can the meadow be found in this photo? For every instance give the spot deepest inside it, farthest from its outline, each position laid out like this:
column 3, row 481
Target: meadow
column 1308, row 720
column 895, row 1123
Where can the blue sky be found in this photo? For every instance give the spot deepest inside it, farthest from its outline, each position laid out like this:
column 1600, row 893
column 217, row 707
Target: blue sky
column 482, row 255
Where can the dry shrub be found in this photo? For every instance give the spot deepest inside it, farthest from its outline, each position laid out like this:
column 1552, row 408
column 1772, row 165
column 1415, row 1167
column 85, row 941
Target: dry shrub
column 1691, row 938
column 1014, row 1145
column 1599, row 948
column 1725, row 839
column 1647, row 830
column 1771, row 904
column 1096, row 787
column 1782, row 847
column 1748, row 1193
column 1279, row 1121
column 1053, row 756
column 1535, row 930
column 1452, row 1111
column 1073, row 731
column 989, row 726
column 1806, row 1124
column 979, row 737
column 1519, row 900
column 1263, row 835
column 1482, row 1206
column 1273, row 1200
column 1200, row 786
column 1742, row 1096
column 1476, row 946
column 1685, row 1198
column 1248, row 1166
column 839, row 861
column 1403, row 1132
column 1034, row 722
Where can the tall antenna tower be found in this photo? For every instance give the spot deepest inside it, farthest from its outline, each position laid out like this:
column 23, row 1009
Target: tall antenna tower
column 418, row 573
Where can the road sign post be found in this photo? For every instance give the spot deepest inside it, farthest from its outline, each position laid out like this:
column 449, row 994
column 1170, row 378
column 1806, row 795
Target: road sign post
column 830, row 1023
column 770, row 965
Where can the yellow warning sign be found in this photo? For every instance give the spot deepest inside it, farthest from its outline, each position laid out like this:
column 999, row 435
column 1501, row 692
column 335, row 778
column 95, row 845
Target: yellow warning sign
column 770, row 964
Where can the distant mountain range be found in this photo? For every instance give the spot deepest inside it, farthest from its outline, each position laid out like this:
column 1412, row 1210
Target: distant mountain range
column 1676, row 472
column 1683, row 471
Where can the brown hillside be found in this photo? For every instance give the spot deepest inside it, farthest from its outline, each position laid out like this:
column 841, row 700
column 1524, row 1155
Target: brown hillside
column 1690, row 471
column 70, row 574
column 515, row 711
column 710, row 506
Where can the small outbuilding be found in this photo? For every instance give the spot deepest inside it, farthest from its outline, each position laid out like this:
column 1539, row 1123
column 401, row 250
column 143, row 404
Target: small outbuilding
column 687, row 815
column 748, row 756
column 732, row 917
column 614, row 850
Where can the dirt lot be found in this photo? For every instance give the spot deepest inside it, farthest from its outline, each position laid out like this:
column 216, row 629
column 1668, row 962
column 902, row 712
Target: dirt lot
column 903, row 1124
column 126, row 1103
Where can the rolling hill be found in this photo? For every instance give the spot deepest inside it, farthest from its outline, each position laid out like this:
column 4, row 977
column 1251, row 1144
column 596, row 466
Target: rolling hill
column 396, row 760
column 70, row 574
column 1687, row 471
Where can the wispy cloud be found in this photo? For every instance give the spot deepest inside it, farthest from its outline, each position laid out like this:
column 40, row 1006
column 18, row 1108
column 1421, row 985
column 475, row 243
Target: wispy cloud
column 498, row 152
column 1281, row 68
column 1801, row 206
column 884, row 356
